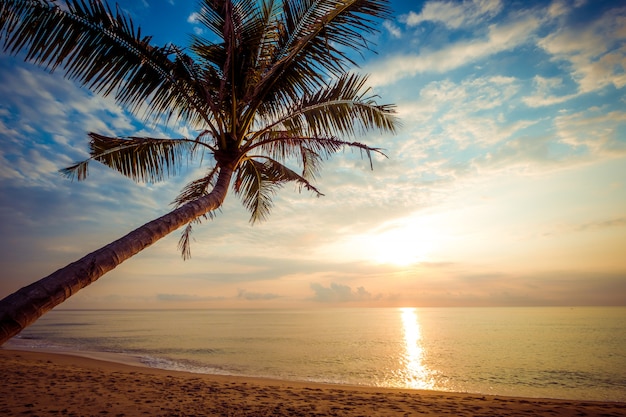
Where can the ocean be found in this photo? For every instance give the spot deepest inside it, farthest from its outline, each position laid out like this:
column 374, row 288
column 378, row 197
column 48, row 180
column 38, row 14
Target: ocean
column 545, row 352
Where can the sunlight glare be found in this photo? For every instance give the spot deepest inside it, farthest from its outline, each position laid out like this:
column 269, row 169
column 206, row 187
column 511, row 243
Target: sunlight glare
column 417, row 374
column 399, row 247
column 404, row 243
column 400, row 243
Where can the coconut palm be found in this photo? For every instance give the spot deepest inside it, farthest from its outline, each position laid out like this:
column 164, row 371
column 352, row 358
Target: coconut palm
column 270, row 89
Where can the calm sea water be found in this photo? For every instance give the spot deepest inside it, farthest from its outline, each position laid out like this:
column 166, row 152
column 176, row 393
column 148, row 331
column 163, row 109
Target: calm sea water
column 572, row 353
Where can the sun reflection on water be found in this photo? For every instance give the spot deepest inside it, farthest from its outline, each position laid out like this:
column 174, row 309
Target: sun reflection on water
column 416, row 374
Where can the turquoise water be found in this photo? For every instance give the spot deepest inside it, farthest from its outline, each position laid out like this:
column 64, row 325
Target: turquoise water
column 572, row 353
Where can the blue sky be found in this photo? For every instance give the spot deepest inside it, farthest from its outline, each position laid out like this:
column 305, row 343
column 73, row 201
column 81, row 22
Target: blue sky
column 506, row 184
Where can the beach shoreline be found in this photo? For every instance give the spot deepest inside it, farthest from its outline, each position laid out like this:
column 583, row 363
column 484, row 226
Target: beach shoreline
column 45, row 383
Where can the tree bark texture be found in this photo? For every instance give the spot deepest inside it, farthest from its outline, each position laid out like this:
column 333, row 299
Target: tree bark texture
column 26, row 305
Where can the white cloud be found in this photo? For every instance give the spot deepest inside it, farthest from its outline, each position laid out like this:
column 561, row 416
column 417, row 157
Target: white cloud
column 193, row 18
column 593, row 130
column 558, row 8
column 62, row 113
column 454, row 14
column 523, row 154
column 595, row 54
column 569, row 141
column 458, row 110
column 392, row 29
column 482, row 93
column 389, row 70
column 544, row 94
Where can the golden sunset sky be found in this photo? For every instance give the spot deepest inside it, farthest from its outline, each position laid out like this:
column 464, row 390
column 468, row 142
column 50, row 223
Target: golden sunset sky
column 506, row 184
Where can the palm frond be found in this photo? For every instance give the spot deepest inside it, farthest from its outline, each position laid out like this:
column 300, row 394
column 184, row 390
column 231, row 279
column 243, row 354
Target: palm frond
column 311, row 149
column 342, row 108
column 197, row 188
column 268, row 72
column 311, row 162
column 280, row 173
column 184, row 243
column 191, row 192
column 141, row 159
column 102, row 50
column 234, row 65
column 255, row 191
column 282, row 145
column 314, row 43
column 218, row 15
column 256, row 182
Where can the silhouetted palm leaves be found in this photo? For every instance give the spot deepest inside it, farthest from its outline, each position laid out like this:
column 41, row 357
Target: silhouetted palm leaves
column 270, row 87
column 274, row 88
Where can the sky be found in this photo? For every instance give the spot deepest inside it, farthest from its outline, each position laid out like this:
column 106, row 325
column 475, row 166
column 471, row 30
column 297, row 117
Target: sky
column 504, row 186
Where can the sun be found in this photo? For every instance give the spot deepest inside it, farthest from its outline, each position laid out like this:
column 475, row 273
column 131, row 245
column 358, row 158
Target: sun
column 399, row 243
column 399, row 246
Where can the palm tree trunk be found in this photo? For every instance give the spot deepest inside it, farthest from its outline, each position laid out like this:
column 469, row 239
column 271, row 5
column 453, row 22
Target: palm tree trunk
column 26, row 305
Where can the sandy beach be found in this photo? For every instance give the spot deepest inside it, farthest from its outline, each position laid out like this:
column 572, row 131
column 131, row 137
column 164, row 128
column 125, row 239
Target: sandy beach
column 40, row 384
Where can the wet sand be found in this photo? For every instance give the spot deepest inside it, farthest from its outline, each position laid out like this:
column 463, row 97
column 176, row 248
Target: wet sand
column 44, row 384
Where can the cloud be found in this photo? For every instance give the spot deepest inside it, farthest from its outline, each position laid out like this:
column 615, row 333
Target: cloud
column 594, row 52
column 455, row 14
column 499, row 38
column 568, row 140
column 479, row 108
column 337, row 293
column 392, row 29
column 545, row 92
column 593, row 130
column 462, row 285
column 254, row 296
column 193, row 18
column 63, row 113
column 462, row 114
column 522, row 154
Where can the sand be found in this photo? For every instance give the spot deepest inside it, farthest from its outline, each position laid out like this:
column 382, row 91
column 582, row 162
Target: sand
column 43, row 384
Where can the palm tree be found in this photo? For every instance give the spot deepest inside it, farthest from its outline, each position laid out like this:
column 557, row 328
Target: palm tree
column 274, row 90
